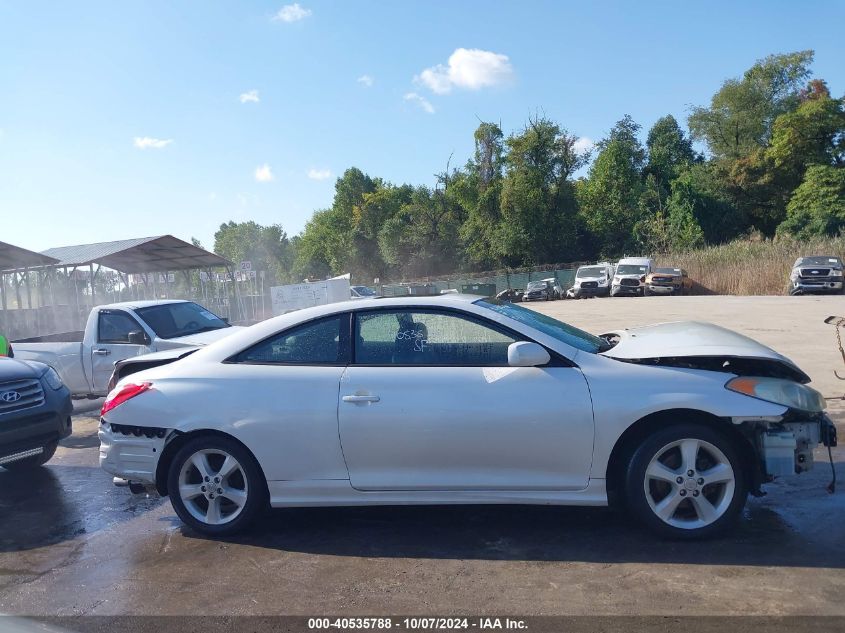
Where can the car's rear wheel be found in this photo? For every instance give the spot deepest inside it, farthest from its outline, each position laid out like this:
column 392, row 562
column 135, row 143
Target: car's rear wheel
column 686, row 482
column 216, row 486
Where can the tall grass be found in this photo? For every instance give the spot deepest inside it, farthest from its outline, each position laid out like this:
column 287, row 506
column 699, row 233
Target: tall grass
column 748, row 267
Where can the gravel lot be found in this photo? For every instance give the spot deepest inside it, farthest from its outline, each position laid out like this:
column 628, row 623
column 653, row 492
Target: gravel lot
column 71, row 543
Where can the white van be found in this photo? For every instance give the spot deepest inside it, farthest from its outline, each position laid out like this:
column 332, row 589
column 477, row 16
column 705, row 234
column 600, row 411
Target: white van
column 629, row 278
column 593, row 280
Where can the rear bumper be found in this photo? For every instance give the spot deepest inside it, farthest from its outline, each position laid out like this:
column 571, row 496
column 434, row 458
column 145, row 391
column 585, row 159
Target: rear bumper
column 129, row 456
column 38, row 426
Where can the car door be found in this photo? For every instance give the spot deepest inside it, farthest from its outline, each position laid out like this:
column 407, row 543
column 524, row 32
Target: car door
column 430, row 403
column 285, row 393
column 112, row 344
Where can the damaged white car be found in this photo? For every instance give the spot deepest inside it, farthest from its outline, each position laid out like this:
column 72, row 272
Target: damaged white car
column 460, row 400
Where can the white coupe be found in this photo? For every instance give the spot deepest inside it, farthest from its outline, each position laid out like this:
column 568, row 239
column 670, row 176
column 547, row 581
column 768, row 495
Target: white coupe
column 460, row 400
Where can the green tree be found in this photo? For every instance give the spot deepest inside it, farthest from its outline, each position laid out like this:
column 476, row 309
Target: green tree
column 610, row 197
column 669, row 151
column 818, row 205
column 267, row 247
column 741, row 114
column 812, row 134
column 539, row 211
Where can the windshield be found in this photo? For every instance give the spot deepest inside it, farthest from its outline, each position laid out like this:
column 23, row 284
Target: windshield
column 668, row 271
column 536, row 285
column 819, row 261
column 631, row 269
column 364, row 291
column 171, row 320
column 559, row 330
column 590, row 271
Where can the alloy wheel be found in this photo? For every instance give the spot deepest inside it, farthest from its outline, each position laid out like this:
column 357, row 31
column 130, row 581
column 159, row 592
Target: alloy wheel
column 213, row 486
column 689, row 483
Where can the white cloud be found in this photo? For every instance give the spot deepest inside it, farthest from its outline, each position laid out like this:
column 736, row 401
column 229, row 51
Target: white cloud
column 147, row 142
column 264, row 173
column 250, row 96
column 319, row 174
column 367, row 80
column 422, row 102
column 291, row 13
column 583, row 144
column 469, row 68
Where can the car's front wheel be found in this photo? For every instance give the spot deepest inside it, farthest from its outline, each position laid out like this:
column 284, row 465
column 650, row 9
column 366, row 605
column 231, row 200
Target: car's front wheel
column 216, row 486
column 686, row 481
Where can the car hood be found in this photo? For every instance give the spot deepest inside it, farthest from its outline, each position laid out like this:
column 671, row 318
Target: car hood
column 692, row 339
column 14, row 369
column 200, row 339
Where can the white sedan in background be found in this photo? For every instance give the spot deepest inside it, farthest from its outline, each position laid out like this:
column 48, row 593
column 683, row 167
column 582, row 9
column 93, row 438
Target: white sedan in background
column 460, row 400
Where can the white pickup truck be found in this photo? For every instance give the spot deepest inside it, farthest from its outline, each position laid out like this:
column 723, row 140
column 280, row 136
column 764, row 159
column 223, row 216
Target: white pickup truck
column 85, row 360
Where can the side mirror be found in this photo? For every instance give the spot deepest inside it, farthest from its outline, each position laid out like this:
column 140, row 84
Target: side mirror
column 525, row 354
column 137, row 337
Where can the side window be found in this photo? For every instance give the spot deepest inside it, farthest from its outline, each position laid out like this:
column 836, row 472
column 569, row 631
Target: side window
column 114, row 327
column 427, row 338
column 321, row 342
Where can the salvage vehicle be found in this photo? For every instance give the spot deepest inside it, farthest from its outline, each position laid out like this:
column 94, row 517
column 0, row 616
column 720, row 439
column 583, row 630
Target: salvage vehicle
column 413, row 401
column 35, row 410
column 514, row 295
column 629, row 277
column 667, row 281
column 543, row 290
column 84, row 360
column 592, row 281
column 816, row 274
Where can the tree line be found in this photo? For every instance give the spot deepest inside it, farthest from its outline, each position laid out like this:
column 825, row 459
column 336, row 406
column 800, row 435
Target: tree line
column 773, row 165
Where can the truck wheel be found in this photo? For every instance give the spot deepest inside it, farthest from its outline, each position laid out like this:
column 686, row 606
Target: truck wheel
column 216, row 486
column 646, row 292
column 35, row 461
column 686, row 482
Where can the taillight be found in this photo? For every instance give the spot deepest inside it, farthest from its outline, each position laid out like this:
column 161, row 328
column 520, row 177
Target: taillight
column 118, row 396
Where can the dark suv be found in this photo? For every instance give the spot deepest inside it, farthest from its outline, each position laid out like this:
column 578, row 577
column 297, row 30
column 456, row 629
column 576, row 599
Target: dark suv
column 35, row 410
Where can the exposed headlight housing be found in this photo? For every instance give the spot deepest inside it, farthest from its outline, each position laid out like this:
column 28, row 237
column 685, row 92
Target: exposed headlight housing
column 51, row 377
column 779, row 391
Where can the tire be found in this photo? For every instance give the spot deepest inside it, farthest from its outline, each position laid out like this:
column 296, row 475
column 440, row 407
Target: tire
column 646, row 292
column 35, row 461
column 697, row 510
column 203, row 508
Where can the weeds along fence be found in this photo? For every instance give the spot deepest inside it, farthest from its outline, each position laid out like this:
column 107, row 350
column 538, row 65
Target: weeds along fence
column 742, row 267
column 749, row 267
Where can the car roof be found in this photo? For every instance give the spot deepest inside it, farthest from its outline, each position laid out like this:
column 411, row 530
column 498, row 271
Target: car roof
column 134, row 305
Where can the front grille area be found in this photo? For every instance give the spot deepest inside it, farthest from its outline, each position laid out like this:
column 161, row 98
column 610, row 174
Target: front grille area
column 629, row 282
column 815, row 272
column 661, row 280
column 589, row 284
column 17, row 395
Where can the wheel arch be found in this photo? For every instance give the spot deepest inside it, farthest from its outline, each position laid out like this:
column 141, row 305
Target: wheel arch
column 179, row 440
column 633, row 436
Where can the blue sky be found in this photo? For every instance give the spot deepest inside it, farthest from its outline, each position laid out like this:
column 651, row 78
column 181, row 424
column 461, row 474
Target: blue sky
column 127, row 119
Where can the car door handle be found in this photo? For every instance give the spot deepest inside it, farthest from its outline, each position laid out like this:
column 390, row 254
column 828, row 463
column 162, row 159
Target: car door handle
column 102, row 352
column 361, row 398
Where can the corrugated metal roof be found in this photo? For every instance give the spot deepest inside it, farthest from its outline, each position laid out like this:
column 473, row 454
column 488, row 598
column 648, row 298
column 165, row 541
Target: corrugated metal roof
column 143, row 254
column 16, row 258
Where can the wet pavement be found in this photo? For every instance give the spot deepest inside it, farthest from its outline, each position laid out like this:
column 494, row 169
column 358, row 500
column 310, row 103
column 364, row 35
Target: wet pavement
column 71, row 543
